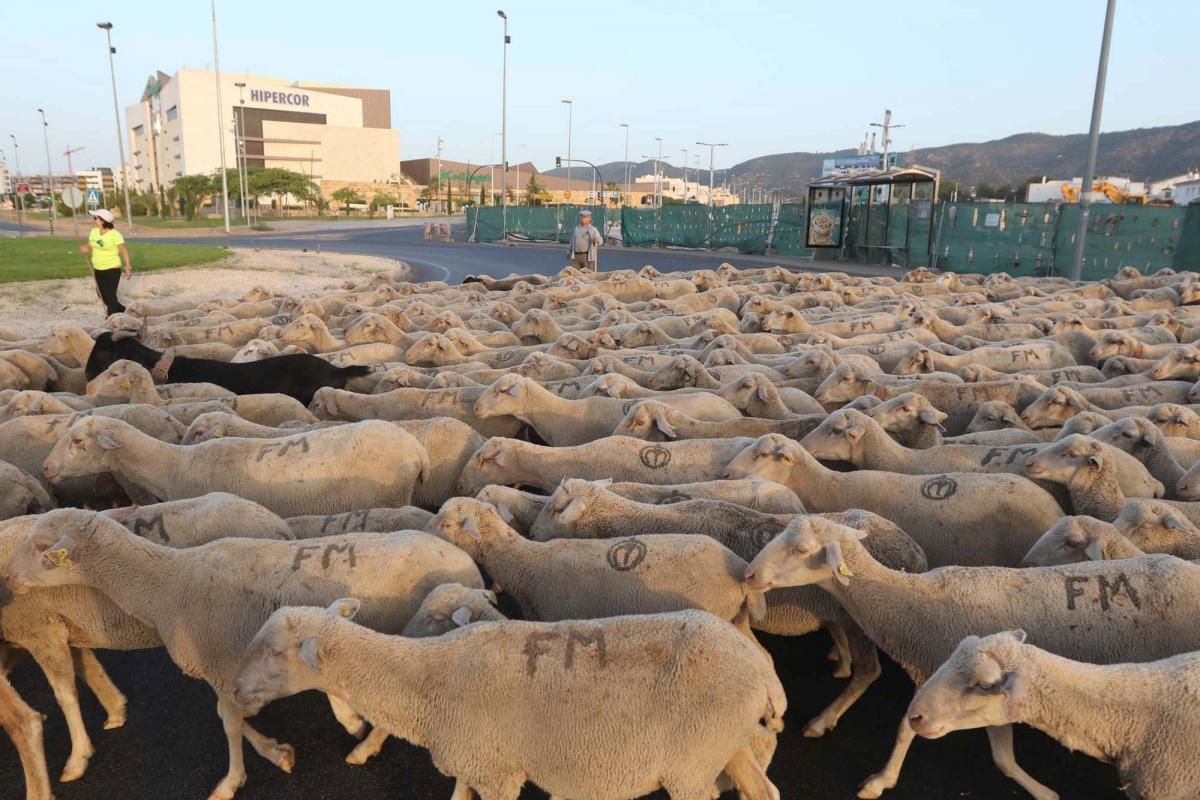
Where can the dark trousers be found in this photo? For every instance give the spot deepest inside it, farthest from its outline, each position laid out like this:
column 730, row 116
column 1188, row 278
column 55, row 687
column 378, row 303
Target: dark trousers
column 106, row 282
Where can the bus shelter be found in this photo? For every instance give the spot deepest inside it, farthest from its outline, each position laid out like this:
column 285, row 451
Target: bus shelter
column 875, row 217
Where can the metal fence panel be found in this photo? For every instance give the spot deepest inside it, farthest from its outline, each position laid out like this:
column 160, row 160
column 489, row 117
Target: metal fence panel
column 1145, row 237
column 537, row 224
column 745, row 227
column 1017, row 238
column 788, row 239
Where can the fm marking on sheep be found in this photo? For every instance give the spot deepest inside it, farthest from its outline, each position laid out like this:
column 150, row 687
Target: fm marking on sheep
column 1107, row 591
column 151, row 525
column 346, row 519
column 505, row 356
column 309, row 551
column 939, row 487
column 626, row 554
column 627, row 406
column 675, row 496
column 537, row 645
column 280, row 448
column 655, row 456
column 1141, row 393
column 1013, row 454
column 876, row 349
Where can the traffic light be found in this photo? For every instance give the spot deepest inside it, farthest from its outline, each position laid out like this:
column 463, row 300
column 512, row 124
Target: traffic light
column 557, row 161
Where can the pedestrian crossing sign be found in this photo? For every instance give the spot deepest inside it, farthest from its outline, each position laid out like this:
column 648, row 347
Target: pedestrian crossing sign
column 93, row 197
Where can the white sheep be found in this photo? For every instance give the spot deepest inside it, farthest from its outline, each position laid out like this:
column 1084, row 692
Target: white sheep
column 663, row 732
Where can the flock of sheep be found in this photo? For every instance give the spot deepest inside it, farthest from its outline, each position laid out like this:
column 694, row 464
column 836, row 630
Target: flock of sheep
column 992, row 480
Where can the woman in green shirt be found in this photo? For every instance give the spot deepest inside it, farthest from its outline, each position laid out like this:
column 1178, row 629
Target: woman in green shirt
column 106, row 246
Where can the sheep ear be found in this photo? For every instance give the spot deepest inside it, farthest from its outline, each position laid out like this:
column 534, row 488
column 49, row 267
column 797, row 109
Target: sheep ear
column 345, row 608
column 1015, row 689
column 461, row 616
column 309, row 654
column 491, row 596
column 471, row 528
column 571, row 514
column 763, row 394
column 660, row 419
column 833, row 557
column 1174, row 523
column 603, row 483
column 1094, row 549
column 1094, row 460
column 505, row 514
column 106, row 442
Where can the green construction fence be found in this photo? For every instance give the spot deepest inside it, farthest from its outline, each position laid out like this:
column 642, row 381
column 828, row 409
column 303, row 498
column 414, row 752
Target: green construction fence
column 531, row 223
column 746, row 227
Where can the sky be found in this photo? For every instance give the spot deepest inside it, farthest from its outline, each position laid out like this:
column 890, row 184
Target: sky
column 765, row 77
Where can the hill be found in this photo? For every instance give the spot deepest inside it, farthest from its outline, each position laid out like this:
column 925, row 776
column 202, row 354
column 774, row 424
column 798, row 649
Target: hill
column 1142, row 154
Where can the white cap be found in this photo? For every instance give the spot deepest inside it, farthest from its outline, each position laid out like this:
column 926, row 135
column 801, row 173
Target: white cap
column 104, row 214
column 584, row 213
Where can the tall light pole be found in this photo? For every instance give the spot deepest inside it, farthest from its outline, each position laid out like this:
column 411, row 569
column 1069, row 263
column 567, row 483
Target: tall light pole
column 625, row 125
column 886, row 125
column 75, row 185
column 504, row 134
column 112, row 72
column 570, row 120
column 685, row 155
column 657, row 179
column 49, row 172
column 239, row 153
column 1085, row 203
column 20, row 198
column 712, row 148
column 220, row 120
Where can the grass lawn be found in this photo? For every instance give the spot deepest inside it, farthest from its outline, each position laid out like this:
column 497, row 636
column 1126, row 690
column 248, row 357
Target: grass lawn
column 35, row 258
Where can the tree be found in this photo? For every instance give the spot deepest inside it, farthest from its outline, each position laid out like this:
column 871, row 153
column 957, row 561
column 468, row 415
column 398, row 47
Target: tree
column 278, row 183
column 190, row 191
column 985, row 191
column 381, row 200
column 947, row 190
column 533, row 190
column 612, row 186
column 430, row 191
column 346, row 195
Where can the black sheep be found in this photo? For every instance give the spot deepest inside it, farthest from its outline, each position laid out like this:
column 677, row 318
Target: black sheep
column 297, row 376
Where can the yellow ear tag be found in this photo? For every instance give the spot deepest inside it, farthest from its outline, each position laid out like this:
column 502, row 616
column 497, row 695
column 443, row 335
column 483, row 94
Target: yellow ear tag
column 345, row 610
column 59, row 557
column 845, row 570
column 125, row 384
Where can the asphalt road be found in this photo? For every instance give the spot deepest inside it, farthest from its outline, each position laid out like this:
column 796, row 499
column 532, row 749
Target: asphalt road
column 173, row 746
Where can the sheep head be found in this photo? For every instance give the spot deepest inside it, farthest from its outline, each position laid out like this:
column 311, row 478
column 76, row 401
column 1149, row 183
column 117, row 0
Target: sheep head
column 450, row 606
column 1071, row 540
column 810, row 550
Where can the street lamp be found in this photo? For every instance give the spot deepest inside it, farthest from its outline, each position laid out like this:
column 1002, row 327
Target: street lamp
column 570, row 119
column 657, row 161
column 711, row 150
column 504, row 134
column 20, row 199
column 685, row 155
column 243, row 166
column 657, row 179
column 1085, row 203
column 220, row 120
column 625, row 125
column 49, row 172
column 112, row 72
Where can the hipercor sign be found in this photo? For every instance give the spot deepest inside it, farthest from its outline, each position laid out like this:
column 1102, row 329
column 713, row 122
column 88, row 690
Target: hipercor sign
column 278, row 98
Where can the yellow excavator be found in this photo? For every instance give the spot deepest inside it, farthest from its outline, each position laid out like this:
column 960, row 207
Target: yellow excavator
column 1115, row 194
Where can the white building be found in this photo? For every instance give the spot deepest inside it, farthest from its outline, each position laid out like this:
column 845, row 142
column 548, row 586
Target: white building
column 692, row 191
column 325, row 131
column 6, row 186
column 1186, row 192
column 1164, row 190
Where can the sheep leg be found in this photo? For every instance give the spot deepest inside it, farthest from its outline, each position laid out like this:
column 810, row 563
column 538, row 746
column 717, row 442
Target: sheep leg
column 886, row 778
column 748, row 776
column 369, row 747
column 235, row 778
column 1001, row 740
column 95, row 676
column 462, row 791
column 10, row 657
column 865, row 657
column 280, row 754
column 841, row 650
column 354, row 724
column 24, row 726
column 54, row 657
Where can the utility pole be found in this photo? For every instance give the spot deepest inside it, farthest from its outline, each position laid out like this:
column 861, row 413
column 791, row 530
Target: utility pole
column 685, row 162
column 657, row 179
column 220, row 120
column 570, row 121
column 19, row 196
column 440, row 142
column 112, row 72
column 886, row 125
column 1085, row 203
column 504, row 134
column 75, row 185
column 625, row 125
column 712, row 148
column 243, row 166
column 49, row 171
